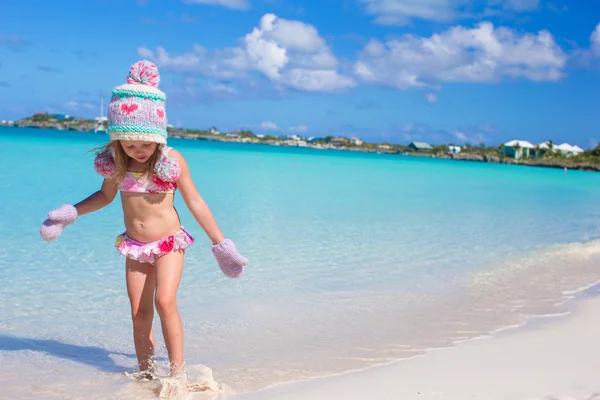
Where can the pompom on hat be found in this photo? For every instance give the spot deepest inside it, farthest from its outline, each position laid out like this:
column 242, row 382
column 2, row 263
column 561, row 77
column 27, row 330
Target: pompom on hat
column 137, row 108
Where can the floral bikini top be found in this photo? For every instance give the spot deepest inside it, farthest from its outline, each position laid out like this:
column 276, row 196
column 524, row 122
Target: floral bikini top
column 163, row 180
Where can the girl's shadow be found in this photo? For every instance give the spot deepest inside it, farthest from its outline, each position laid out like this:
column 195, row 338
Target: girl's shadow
column 93, row 356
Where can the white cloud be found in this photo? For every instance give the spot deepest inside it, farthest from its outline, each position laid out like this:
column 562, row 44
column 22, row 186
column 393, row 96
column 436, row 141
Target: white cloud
column 236, row 4
column 225, row 63
column 222, row 88
column 268, row 56
column 516, row 5
column 402, row 12
column 460, row 136
column 474, row 138
column 77, row 105
column 595, row 41
column 316, row 80
column 293, row 54
column 187, row 19
column 431, row 98
column 268, row 125
column 294, row 35
column 14, row 42
column 557, row 8
column 299, row 128
column 587, row 57
column 481, row 54
column 290, row 53
column 410, row 127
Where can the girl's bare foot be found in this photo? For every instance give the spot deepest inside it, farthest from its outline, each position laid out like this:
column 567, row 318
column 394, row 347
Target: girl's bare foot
column 145, row 375
column 142, row 375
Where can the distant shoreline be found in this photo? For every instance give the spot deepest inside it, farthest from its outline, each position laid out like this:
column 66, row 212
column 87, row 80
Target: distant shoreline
column 557, row 164
column 473, row 155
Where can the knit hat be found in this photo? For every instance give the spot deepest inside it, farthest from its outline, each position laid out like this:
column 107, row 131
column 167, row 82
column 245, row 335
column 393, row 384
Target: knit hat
column 137, row 109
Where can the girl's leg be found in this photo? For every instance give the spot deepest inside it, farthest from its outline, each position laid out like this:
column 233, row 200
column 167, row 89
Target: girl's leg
column 168, row 270
column 140, row 288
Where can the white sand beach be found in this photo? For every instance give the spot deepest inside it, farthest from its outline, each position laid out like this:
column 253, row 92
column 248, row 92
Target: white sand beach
column 550, row 358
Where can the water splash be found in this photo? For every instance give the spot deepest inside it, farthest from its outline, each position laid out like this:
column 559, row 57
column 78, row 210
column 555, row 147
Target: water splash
column 195, row 382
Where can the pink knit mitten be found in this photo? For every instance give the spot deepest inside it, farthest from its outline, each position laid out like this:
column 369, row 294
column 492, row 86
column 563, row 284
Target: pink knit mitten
column 230, row 261
column 52, row 227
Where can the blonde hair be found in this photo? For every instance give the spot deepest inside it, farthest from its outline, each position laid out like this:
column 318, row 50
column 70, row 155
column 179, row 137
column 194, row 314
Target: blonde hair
column 122, row 159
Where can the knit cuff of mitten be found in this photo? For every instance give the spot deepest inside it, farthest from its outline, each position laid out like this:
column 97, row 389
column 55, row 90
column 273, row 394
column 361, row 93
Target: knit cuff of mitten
column 230, row 261
column 66, row 214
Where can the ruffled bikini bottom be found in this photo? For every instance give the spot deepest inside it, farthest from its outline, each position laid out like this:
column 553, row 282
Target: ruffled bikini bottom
column 149, row 252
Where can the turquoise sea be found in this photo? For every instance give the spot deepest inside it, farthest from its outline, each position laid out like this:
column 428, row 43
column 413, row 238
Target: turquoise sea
column 355, row 259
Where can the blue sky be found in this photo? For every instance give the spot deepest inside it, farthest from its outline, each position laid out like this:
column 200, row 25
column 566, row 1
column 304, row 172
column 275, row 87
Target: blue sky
column 383, row 70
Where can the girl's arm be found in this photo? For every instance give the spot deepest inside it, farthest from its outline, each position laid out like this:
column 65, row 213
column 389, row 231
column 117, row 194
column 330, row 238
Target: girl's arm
column 230, row 261
column 195, row 202
column 67, row 214
column 99, row 199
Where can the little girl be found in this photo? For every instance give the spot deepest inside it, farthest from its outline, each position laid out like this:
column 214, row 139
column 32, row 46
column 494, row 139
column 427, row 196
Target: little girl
column 138, row 164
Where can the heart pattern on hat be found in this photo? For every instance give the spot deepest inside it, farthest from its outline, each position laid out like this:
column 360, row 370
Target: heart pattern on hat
column 129, row 108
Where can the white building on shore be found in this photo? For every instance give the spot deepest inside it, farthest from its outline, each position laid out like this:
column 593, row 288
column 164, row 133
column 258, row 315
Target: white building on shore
column 518, row 149
column 568, row 150
column 525, row 149
column 454, row 149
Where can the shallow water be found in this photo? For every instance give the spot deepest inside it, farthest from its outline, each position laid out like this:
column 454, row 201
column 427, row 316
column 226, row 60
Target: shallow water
column 356, row 259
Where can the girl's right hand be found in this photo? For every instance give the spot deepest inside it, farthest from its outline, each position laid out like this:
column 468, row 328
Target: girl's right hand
column 57, row 219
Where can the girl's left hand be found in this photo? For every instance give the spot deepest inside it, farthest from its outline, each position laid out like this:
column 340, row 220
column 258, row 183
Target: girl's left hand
column 230, row 261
